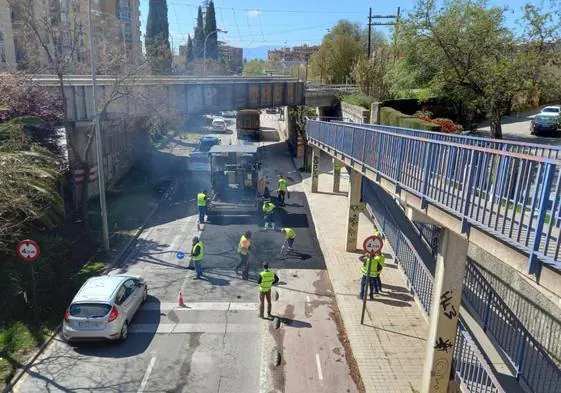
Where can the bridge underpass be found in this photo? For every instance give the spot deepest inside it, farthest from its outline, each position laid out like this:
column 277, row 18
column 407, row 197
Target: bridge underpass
column 442, row 174
column 128, row 102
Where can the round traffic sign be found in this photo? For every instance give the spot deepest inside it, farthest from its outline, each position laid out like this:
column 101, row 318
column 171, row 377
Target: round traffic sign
column 372, row 244
column 28, row 250
column 180, row 255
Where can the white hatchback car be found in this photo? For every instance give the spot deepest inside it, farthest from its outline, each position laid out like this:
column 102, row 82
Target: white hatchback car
column 104, row 307
column 219, row 124
column 554, row 110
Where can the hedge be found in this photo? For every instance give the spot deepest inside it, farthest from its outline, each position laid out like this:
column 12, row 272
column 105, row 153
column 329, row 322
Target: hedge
column 392, row 117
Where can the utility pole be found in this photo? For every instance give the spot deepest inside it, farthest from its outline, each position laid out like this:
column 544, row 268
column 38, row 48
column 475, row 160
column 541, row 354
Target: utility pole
column 370, row 24
column 98, row 141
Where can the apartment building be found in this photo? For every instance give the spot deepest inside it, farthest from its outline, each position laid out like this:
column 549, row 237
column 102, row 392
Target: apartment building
column 116, row 24
column 231, row 56
column 295, row 54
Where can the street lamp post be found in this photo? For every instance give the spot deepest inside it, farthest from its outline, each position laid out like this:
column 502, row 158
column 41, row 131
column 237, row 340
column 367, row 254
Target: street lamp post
column 204, row 47
column 98, row 141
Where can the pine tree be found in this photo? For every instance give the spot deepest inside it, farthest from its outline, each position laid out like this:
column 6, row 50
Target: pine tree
column 199, row 37
column 189, row 55
column 158, row 49
column 210, row 27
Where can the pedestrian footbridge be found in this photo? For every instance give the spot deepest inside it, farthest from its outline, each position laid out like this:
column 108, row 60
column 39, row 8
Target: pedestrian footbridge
column 503, row 196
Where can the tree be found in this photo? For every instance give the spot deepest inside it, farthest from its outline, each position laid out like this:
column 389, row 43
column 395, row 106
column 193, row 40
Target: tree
column 466, row 48
column 157, row 44
column 339, row 51
column 369, row 75
column 199, row 36
column 189, row 56
column 255, row 67
column 210, row 27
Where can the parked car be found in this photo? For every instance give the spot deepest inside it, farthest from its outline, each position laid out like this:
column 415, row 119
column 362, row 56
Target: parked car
column 104, row 307
column 206, row 142
column 544, row 123
column 554, row 110
column 219, row 124
column 271, row 111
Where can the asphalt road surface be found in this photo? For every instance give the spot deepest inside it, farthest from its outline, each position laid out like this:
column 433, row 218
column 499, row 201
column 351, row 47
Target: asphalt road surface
column 217, row 343
column 517, row 128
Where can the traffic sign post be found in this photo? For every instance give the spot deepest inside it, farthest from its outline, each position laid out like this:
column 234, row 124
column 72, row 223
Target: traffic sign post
column 371, row 246
column 29, row 251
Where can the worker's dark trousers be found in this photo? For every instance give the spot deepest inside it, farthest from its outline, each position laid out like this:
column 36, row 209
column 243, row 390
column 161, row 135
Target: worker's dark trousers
column 202, row 213
column 262, row 297
column 281, row 196
column 244, row 263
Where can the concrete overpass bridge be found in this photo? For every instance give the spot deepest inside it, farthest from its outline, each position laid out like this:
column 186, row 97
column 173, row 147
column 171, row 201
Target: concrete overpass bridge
column 187, row 96
column 501, row 197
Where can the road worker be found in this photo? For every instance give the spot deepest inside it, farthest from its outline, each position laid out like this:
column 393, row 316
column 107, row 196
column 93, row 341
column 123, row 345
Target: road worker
column 201, row 204
column 197, row 256
column 266, row 280
column 290, row 236
column 268, row 212
column 376, row 262
column 244, row 247
column 281, row 189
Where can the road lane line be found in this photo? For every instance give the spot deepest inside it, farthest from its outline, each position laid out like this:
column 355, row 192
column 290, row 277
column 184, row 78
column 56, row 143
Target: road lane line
column 308, row 299
column 147, row 375
column 318, row 363
column 200, row 306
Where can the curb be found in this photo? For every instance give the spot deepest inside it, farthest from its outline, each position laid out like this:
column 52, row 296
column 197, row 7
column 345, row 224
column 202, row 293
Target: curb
column 116, row 261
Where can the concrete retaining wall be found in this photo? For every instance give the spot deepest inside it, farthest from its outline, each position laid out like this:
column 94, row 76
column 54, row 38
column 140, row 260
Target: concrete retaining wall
column 355, row 113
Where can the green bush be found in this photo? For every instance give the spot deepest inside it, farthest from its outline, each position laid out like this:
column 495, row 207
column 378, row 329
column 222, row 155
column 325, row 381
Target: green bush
column 392, row 117
column 359, row 100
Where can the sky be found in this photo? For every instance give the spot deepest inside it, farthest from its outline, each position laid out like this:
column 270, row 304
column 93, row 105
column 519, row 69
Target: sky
column 255, row 23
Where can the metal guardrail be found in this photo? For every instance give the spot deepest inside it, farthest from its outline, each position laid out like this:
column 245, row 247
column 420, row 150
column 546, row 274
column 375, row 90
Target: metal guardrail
column 470, row 366
column 534, row 149
column 515, row 197
column 533, row 365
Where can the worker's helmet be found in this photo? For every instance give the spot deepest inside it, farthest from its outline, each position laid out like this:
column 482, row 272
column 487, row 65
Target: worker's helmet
column 195, row 239
column 266, row 265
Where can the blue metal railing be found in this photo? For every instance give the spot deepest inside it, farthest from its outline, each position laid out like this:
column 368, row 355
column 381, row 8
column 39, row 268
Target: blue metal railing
column 534, row 149
column 512, row 196
column 470, row 365
column 534, row 366
column 430, row 234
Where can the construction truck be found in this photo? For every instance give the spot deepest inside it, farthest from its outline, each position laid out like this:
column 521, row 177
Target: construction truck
column 237, row 181
column 248, row 123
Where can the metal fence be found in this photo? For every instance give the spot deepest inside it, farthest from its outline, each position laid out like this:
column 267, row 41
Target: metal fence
column 430, row 234
column 470, row 365
column 512, row 196
column 534, row 149
column 534, row 366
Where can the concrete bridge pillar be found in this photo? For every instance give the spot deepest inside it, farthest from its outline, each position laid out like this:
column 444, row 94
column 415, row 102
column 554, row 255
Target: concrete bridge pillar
column 315, row 169
column 337, row 165
column 354, row 209
column 445, row 310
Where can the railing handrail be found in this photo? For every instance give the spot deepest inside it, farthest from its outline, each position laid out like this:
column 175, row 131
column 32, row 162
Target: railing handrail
column 503, row 153
column 468, row 137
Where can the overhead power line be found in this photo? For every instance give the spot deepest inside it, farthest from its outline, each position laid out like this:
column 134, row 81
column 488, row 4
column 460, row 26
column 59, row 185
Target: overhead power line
column 316, row 11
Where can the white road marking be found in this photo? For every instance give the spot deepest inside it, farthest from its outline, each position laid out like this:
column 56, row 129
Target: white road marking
column 147, row 375
column 181, row 328
column 200, row 306
column 308, row 299
column 318, row 363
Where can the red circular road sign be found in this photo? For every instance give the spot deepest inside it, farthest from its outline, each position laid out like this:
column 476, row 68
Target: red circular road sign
column 372, row 244
column 28, row 250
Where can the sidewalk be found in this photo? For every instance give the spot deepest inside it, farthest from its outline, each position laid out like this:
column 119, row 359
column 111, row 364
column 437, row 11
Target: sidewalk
column 390, row 347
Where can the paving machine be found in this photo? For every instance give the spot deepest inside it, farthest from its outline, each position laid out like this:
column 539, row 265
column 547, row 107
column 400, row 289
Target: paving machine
column 237, row 181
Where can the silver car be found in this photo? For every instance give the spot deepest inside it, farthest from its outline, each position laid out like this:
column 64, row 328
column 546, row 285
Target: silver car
column 104, row 307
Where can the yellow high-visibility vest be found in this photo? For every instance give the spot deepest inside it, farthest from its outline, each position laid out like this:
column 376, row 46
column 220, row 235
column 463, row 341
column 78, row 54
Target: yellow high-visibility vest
column 243, row 246
column 282, row 185
column 376, row 264
column 201, row 254
column 201, row 199
column 267, row 278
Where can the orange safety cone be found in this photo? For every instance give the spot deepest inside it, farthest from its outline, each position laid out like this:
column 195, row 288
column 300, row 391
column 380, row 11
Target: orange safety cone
column 181, row 301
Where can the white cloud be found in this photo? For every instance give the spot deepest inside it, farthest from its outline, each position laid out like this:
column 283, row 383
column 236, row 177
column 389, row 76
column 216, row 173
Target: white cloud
column 253, row 13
